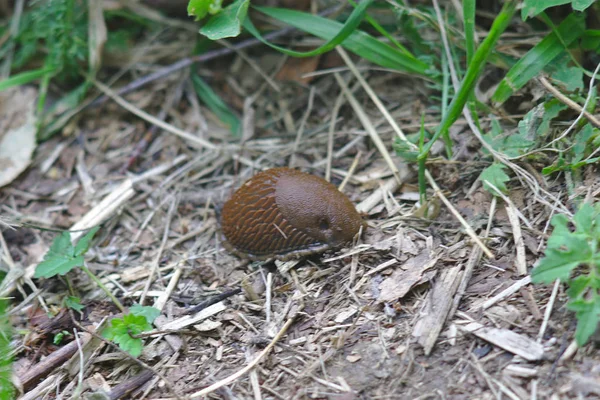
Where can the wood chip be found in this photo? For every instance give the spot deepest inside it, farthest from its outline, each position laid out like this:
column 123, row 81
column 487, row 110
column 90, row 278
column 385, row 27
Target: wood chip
column 508, row 340
column 188, row 320
column 436, row 309
column 405, row 278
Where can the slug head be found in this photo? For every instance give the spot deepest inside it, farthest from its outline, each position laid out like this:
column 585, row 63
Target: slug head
column 317, row 208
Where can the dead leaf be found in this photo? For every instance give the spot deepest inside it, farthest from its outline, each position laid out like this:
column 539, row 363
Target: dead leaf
column 405, row 278
column 295, row 68
column 17, row 132
column 96, row 33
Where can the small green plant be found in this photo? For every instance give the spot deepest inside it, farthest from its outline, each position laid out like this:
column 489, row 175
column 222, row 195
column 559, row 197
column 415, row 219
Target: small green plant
column 123, row 330
column 74, row 303
column 7, row 391
column 58, row 338
column 573, row 256
column 62, row 257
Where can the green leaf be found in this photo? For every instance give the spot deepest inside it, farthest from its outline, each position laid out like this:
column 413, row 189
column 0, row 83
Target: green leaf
column 61, row 246
column 476, row 66
column 59, row 337
column 578, row 285
column 216, row 105
column 566, row 250
column 227, row 23
column 74, row 303
column 346, row 30
column 60, row 259
column 510, row 144
column 121, row 329
column 7, row 390
column 588, row 316
column 149, row 312
column 581, row 142
column 84, row 243
column 25, row 77
column 541, row 55
column 200, row 8
column 358, row 42
column 581, row 5
column 570, row 77
column 62, row 256
column 531, row 8
column 495, row 175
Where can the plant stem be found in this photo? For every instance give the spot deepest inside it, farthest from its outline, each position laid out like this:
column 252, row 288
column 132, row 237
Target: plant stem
column 475, row 67
column 104, row 288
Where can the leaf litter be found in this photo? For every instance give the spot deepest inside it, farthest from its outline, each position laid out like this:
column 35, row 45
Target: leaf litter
column 365, row 336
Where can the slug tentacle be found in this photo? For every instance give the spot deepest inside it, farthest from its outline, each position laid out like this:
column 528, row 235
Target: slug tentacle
column 284, row 213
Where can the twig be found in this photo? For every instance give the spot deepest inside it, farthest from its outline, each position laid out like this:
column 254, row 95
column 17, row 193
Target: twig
column 104, row 288
column 570, row 103
column 195, row 140
column 163, row 243
column 247, row 368
column 548, row 311
column 213, row 300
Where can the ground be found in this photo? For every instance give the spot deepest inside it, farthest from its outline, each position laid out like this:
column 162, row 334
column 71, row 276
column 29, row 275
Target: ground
column 393, row 316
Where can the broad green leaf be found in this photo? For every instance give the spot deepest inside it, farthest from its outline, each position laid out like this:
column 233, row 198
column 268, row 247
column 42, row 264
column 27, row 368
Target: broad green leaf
column 59, row 337
column 121, row 329
column 531, row 8
column 62, row 256
column 566, row 250
column 539, row 56
column 581, row 5
column 570, row 77
column 588, row 316
column 61, row 245
column 84, row 243
column 59, row 259
column 149, row 312
column 590, row 40
column 58, row 265
column 216, row 105
column 495, row 175
column 74, row 303
column 358, row 42
column 227, row 23
column 200, row 8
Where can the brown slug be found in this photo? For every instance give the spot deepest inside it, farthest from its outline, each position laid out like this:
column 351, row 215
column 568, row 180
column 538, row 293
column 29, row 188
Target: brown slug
column 283, row 213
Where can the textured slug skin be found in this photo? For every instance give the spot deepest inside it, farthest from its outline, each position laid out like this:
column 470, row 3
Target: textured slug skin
column 284, row 213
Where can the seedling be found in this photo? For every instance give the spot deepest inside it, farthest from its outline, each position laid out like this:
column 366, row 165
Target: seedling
column 63, row 257
column 123, row 330
column 573, row 256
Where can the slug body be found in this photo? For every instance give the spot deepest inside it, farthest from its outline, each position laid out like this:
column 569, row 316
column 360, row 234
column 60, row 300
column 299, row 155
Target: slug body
column 284, row 213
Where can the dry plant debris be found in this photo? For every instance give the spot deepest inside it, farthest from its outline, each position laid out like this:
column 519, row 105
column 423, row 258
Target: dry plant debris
column 416, row 309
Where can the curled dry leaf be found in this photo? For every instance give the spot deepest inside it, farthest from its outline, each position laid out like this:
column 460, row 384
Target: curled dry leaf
column 17, row 131
column 403, row 279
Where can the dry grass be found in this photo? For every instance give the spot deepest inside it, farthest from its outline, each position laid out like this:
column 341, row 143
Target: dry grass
column 415, row 310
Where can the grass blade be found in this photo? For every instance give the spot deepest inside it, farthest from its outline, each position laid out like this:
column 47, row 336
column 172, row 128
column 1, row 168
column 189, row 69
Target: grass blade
column 347, row 29
column 24, row 78
column 475, row 67
column 539, row 57
column 358, row 42
column 216, row 105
